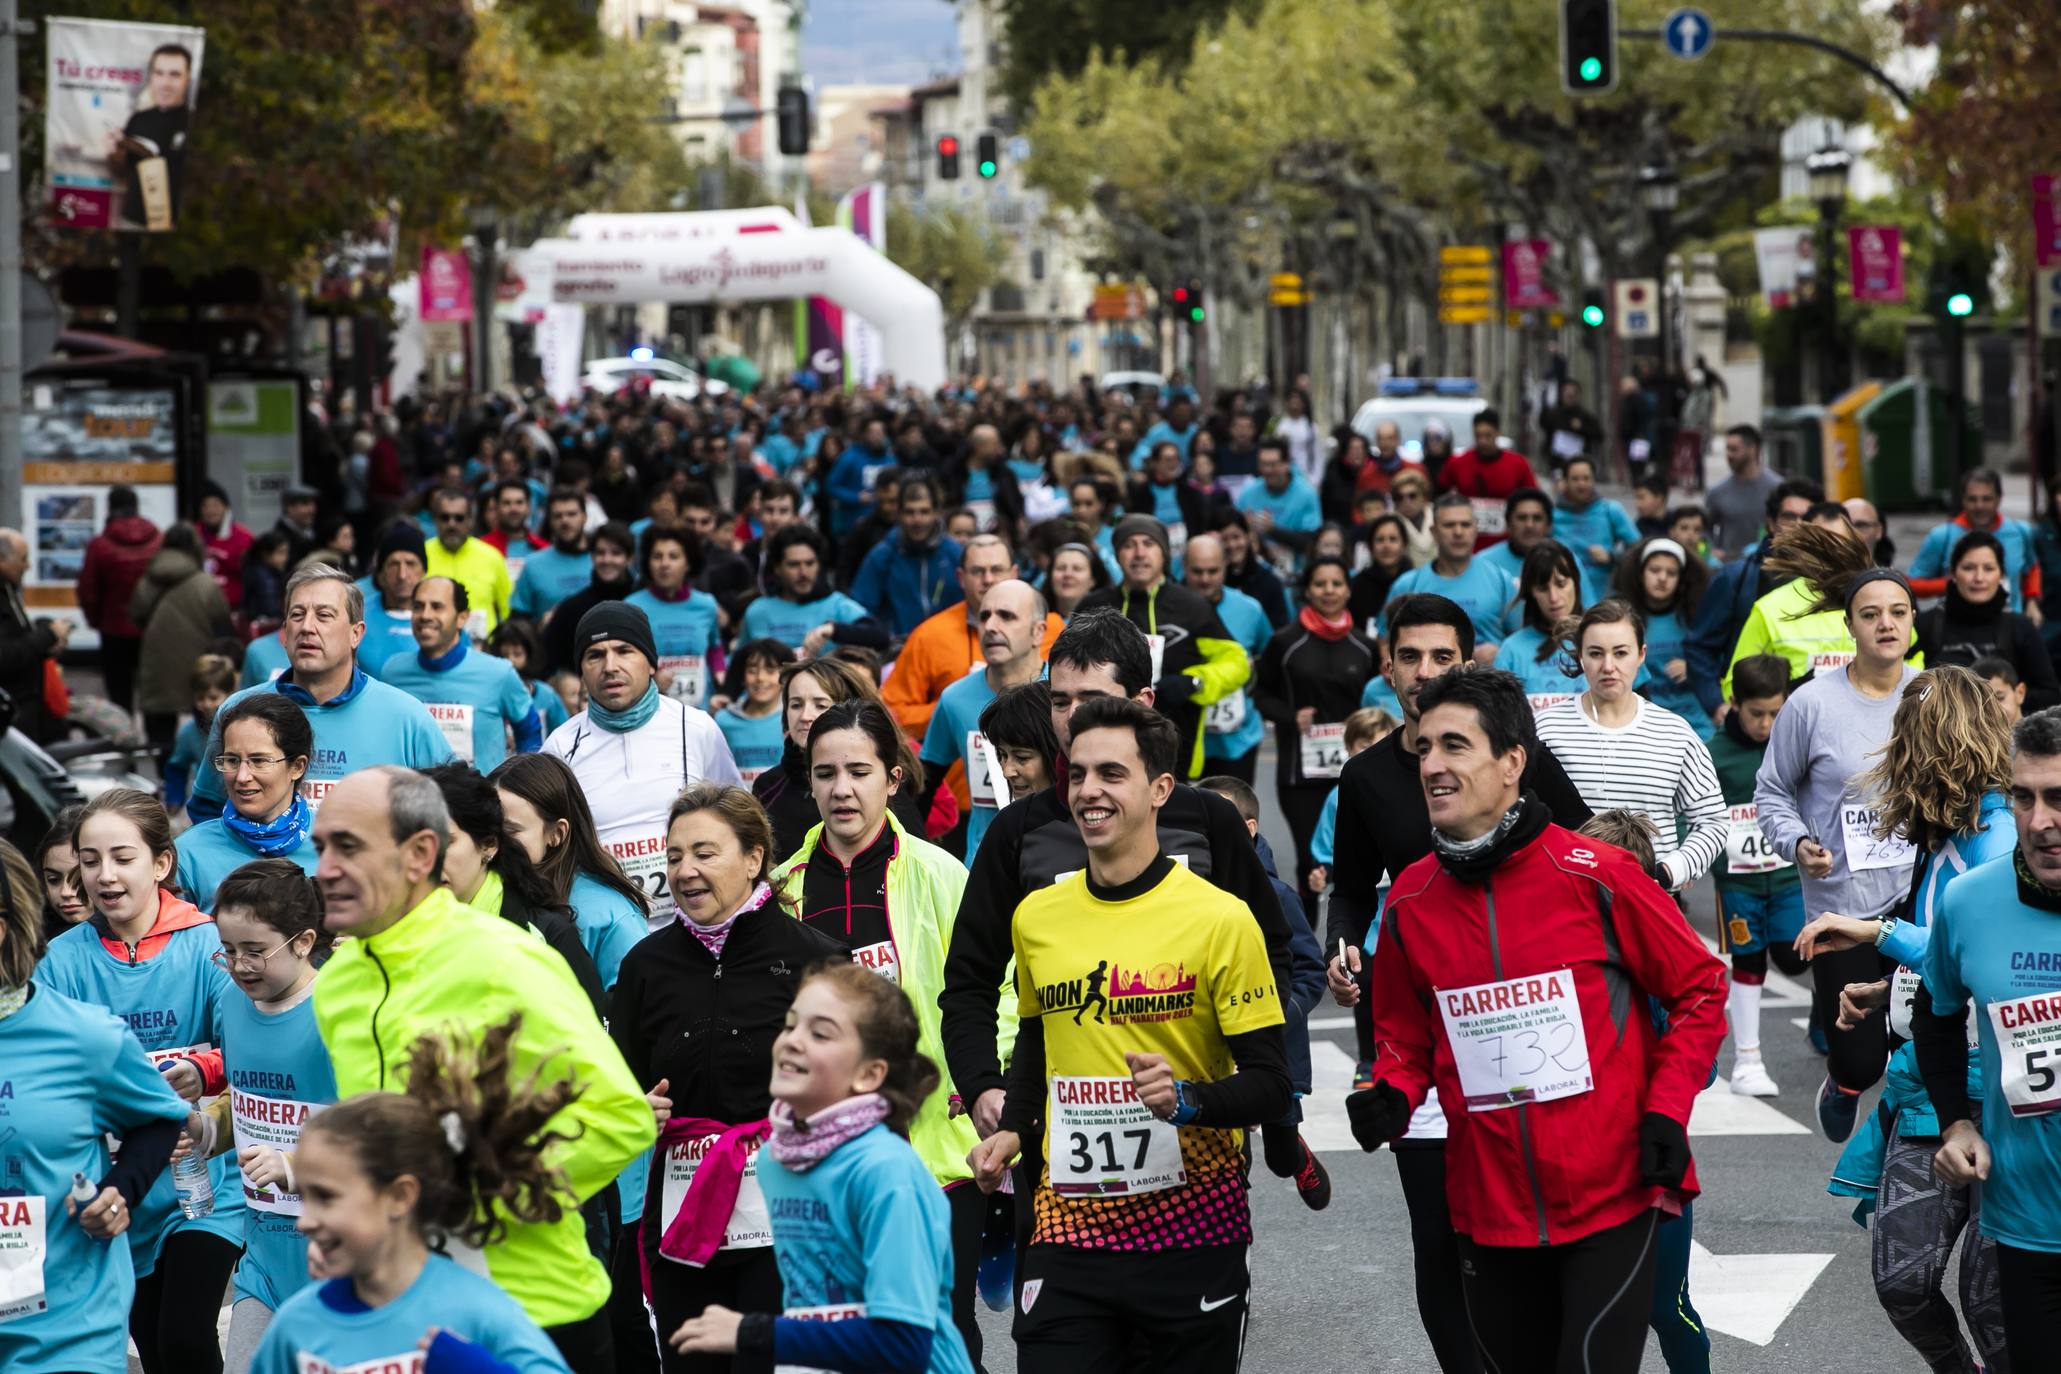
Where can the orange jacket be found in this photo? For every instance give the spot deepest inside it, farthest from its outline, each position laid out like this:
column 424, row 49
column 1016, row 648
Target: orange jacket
column 942, row 649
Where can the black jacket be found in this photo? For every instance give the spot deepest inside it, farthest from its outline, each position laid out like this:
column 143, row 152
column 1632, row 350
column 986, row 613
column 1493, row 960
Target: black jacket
column 24, row 646
column 1195, row 508
column 1960, row 632
column 1034, row 842
column 1370, row 590
column 1258, row 581
column 1298, row 669
column 784, row 792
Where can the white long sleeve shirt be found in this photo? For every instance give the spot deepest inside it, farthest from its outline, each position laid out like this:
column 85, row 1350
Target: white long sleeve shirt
column 1655, row 766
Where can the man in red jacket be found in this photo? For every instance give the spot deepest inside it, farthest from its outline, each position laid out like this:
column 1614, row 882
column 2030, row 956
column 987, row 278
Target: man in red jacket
column 1513, row 972
column 1486, row 475
column 115, row 563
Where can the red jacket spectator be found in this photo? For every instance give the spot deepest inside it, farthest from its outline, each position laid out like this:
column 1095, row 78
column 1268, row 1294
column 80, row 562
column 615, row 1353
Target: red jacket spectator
column 226, row 544
column 1487, row 479
column 115, row 562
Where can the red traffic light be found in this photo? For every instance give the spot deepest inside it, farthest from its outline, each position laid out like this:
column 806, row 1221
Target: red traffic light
column 947, row 146
column 1180, row 295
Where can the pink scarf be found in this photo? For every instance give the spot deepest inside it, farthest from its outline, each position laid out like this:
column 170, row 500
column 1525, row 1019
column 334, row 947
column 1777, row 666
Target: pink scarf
column 714, row 937
column 697, row 1232
column 802, row 1145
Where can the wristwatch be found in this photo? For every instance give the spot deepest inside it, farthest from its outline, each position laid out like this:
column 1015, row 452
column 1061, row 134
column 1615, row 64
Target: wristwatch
column 1882, row 930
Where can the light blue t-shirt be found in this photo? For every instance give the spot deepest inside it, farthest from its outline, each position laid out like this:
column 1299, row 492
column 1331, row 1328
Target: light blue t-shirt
column 1232, row 728
column 264, row 659
column 386, row 633
column 957, row 716
column 610, row 924
column 171, row 1002
column 1327, row 828
column 1518, row 654
column 550, row 706
column 1163, row 431
column 756, row 742
column 318, row 1329
column 1377, row 692
column 1503, row 559
column 1990, row 947
column 1603, row 523
column 549, row 577
column 1293, row 508
column 682, row 629
column 1665, row 636
column 773, row 617
column 70, row 1076
column 279, row 1076
column 1482, row 591
column 867, row 1225
column 210, row 852
column 475, row 701
column 367, row 723
column 183, row 762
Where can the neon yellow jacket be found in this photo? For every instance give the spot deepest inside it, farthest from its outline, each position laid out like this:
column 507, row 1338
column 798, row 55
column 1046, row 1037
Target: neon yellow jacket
column 1783, row 623
column 482, row 570
column 923, row 887
column 445, row 964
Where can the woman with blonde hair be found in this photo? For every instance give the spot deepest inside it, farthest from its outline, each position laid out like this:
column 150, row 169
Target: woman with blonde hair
column 807, row 690
column 1410, row 497
column 1940, row 784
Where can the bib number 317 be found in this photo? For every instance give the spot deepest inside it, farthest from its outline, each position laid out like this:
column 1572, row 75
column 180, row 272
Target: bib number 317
column 1105, row 1142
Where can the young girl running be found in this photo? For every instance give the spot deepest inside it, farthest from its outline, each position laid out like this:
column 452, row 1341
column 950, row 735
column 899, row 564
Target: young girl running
column 751, row 721
column 862, row 1234
column 268, row 915
column 383, row 1178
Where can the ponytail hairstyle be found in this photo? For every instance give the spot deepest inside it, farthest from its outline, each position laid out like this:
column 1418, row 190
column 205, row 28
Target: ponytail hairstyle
column 147, row 814
column 275, row 892
column 1826, row 559
column 472, row 1138
column 887, row 1032
column 549, row 785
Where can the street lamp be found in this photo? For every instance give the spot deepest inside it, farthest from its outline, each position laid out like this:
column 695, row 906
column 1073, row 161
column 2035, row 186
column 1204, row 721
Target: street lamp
column 485, row 223
column 1660, row 191
column 1826, row 171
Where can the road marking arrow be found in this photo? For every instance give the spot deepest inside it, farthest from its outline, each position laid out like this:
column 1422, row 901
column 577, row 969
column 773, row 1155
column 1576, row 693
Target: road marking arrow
column 1750, row 1296
column 1720, row 1111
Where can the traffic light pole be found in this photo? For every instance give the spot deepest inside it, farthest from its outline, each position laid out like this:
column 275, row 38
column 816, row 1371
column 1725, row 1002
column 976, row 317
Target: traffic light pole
column 1846, row 55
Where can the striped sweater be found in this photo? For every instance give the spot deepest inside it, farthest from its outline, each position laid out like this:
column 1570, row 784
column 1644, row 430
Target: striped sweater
column 1655, row 766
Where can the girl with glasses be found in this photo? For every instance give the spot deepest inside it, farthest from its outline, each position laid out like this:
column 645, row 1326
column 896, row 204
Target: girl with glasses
column 266, row 745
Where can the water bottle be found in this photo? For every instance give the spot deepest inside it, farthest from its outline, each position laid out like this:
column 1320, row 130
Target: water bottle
column 996, row 1276
column 196, row 1190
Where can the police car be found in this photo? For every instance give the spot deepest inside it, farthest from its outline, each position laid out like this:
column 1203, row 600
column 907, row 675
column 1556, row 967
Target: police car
column 1410, row 402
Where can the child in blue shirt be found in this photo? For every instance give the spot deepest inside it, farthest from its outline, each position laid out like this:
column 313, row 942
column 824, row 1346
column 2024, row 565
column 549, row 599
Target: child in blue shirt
column 750, row 720
column 383, row 1176
column 213, row 682
column 861, row 1229
column 517, row 641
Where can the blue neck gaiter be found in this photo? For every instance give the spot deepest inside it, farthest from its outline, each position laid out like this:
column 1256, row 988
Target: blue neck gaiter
column 623, row 721
column 277, row 837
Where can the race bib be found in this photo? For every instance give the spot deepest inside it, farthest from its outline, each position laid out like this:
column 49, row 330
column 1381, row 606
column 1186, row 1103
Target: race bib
column 1519, row 1040
column 644, row 860
column 870, row 473
column 1863, row 850
column 1226, row 716
column 1488, row 515
column 456, row 723
column 409, row 1362
column 1106, row 1143
column 690, row 677
column 882, row 958
column 831, row 1312
column 1323, row 750
column 1567, row 444
column 22, row 1247
column 1903, row 996
column 1828, row 663
column 749, row 1227
column 1177, row 537
column 515, row 568
column 1746, row 848
column 983, row 513
column 1546, row 701
column 1157, row 644
column 274, row 1122
column 2028, row 1032
column 984, row 780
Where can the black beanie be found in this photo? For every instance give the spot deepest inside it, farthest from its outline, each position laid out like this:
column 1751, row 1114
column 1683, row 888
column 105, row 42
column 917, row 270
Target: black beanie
column 616, row 620
column 400, row 537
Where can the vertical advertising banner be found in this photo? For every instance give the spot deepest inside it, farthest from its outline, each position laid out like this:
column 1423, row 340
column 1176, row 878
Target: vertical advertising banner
column 863, row 211
column 1875, row 254
column 1524, row 275
column 121, row 100
column 1783, row 255
column 2046, row 220
column 446, row 285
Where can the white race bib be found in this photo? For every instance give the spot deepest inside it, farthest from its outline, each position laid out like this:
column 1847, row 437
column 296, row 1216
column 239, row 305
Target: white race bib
column 1828, row 663
column 1157, row 644
column 643, row 858
column 983, row 513
column 1518, row 1040
column 1323, row 750
column 407, row 1362
column 870, row 473
column 832, row 1312
column 1488, row 515
column 1863, row 851
column 455, row 721
column 476, row 625
column 2028, row 1032
column 1225, row 716
column 749, row 1227
column 22, row 1248
column 1545, row 701
column 1177, row 537
column 750, row 775
column 1105, row 1142
column 1746, row 848
column 690, row 677
column 274, row 1122
column 1903, row 996
column 984, row 780
column 1567, row 444
column 882, row 958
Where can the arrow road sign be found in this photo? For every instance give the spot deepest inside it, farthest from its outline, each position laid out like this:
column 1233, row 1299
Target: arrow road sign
column 1750, row 1296
column 1688, row 33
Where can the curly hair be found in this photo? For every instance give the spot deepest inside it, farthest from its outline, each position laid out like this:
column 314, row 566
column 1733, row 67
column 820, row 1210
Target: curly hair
column 473, row 1138
column 1948, row 746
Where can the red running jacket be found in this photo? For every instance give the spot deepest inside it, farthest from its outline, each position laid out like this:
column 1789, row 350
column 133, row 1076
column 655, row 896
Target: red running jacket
column 1545, row 1173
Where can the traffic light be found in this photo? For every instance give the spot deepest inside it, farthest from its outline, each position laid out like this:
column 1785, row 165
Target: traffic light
column 987, row 154
column 1588, row 46
column 1194, row 301
column 1592, row 307
column 793, row 110
column 1960, row 305
column 948, row 158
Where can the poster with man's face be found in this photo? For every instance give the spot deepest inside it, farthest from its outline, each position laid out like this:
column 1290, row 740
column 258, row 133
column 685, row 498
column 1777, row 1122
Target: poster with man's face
column 121, row 103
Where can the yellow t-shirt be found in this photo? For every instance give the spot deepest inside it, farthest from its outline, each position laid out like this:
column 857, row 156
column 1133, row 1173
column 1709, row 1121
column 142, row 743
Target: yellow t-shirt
column 482, row 570
column 1175, row 970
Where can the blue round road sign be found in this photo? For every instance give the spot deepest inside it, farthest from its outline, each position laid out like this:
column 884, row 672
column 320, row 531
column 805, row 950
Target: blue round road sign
column 1688, row 33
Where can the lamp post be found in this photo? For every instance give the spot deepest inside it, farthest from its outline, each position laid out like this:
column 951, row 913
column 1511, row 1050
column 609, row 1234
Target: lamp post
column 1660, row 191
column 1827, row 170
column 486, row 225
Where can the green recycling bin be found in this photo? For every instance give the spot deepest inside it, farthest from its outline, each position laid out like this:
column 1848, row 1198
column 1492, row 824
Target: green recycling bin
column 1793, row 441
column 1907, row 445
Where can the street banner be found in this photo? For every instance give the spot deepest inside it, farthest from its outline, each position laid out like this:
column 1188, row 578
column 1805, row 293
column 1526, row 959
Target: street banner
column 1524, row 275
column 1783, row 254
column 446, row 285
column 863, row 210
column 1875, row 257
column 560, row 330
column 2046, row 220
column 120, row 102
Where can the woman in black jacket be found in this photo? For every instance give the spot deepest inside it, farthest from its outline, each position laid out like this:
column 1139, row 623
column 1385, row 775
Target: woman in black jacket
column 1308, row 681
column 807, row 690
column 1388, row 543
column 697, row 1008
column 1976, row 621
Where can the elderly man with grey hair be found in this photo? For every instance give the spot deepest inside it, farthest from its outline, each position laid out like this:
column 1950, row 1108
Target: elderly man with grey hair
column 359, row 721
column 419, row 962
column 25, row 644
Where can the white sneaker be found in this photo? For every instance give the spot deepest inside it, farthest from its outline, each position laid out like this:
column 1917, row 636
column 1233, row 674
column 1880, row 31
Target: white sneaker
column 1750, row 1079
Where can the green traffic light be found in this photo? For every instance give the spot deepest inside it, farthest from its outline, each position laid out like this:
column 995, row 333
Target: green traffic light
column 1960, row 304
column 987, row 169
column 1592, row 69
column 1195, row 314
column 1592, row 316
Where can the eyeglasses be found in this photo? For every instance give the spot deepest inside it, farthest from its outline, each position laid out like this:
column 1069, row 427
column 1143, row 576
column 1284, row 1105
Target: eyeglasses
column 457, row 517
column 229, row 765
column 227, row 959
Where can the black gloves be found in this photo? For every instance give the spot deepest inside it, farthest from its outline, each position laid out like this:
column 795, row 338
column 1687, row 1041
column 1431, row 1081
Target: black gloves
column 1379, row 1114
column 1663, row 1150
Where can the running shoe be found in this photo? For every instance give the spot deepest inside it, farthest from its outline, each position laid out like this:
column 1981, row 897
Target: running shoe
column 1312, row 1181
column 1750, row 1078
column 1836, row 1111
column 1363, row 1075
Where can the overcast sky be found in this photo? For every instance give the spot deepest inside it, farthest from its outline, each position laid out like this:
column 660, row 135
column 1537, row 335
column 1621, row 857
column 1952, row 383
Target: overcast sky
column 878, row 42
